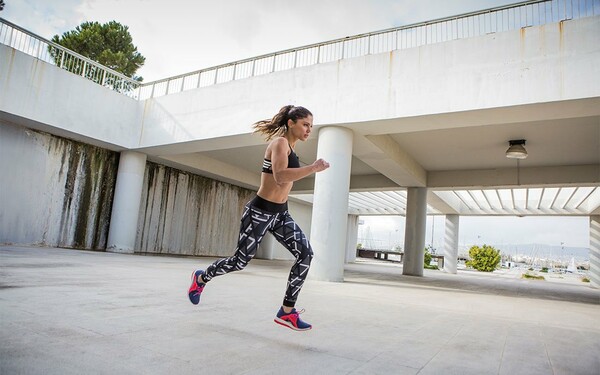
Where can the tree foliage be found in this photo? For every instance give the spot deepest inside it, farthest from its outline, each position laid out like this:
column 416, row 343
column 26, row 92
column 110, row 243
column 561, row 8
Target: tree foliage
column 1, row 5
column 109, row 44
column 484, row 258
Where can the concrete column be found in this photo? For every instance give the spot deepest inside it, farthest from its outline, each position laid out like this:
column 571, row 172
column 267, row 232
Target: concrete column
column 414, row 237
column 351, row 238
column 595, row 251
column 330, row 205
column 451, row 243
column 266, row 249
column 126, row 202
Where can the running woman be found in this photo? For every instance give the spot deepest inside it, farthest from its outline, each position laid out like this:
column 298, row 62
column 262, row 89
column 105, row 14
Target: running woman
column 268, row 211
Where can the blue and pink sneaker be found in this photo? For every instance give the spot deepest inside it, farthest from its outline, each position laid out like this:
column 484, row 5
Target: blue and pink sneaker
column 292, row 320
column 196, row 288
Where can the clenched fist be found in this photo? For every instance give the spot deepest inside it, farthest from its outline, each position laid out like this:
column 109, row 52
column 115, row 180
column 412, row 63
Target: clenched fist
column 320, row 165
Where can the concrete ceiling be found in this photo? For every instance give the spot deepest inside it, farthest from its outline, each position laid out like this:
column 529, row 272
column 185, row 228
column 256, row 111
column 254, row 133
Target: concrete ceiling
column 462, row 160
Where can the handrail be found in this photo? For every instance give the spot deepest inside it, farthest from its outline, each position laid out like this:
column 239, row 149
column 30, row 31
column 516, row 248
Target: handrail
column 476, row 23
column 50, row 52
column 472, row 24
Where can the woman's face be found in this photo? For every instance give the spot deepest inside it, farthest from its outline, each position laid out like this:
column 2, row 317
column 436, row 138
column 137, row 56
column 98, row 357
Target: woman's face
column 301, row 128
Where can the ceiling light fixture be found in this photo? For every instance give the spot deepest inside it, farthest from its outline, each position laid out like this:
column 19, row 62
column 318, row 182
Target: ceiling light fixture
column 516, row 149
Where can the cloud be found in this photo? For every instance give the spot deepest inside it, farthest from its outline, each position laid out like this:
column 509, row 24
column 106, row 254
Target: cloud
column 181, row 36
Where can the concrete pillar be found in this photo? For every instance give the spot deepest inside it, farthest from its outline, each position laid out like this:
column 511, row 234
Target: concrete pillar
column 451, row 243
column 595, row 251
column 126, row 202
column 414, row 237
column 330, row 204
column 351, row 238
column 266, row 249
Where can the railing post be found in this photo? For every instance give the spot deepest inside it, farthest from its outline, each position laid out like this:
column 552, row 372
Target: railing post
column 234, row 70
column 83, row 70
column 199, row 77
column 152, row 91
column 295, row 58
column 10, row 36
column 318, row 54
column 216, row 75
column 253, row 65
column 274, row 59
column 62, row 58
column 343, row 45
column 103, row 77
column 182, row 82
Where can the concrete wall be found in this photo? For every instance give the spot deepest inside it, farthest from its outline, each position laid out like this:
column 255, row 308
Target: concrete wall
column 58, row 192
column 54, row 192
column 186, row 214
column 531, row 65
column 65, row 104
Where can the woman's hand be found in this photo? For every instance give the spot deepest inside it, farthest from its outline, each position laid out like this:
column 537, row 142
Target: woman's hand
column 320, row 165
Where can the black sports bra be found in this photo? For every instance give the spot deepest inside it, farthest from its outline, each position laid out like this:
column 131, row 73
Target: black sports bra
column 293, row 162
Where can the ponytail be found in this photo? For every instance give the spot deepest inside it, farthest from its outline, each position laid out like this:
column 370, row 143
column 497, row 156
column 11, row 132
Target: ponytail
column 277, row 126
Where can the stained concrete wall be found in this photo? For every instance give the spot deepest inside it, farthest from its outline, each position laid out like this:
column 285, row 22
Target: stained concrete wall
column 186, row 214
column 58, row 192
column 54, row 191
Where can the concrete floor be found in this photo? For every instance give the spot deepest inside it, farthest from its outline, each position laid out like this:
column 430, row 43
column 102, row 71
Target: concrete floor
column 75, row 312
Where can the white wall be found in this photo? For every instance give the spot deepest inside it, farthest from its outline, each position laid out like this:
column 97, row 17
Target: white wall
column 531, row 65
column 65, row 104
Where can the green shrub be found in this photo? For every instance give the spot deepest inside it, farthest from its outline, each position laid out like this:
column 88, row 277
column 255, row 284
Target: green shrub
column 585, row 279
column 535, row 277
column 427, row 264
column 544, row 269
column 485, row 259
column 427, row 258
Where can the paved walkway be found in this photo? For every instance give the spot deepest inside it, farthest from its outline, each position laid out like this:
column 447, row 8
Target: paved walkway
column 81, row 312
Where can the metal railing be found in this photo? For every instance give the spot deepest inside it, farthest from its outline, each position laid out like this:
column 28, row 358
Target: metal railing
column 25, row 41
column 504, row 18
column 509, row 17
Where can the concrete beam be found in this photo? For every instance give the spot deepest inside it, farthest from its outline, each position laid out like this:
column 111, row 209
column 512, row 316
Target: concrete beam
column 574, row 175
column 383, row 154
column 357, row 183
column 208, row 167
column 445, row 202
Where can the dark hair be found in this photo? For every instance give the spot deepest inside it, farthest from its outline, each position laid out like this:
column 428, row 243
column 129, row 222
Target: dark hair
column 278, row 124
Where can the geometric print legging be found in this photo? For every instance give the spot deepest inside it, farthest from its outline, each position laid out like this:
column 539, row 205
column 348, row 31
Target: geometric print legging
column 254, row 225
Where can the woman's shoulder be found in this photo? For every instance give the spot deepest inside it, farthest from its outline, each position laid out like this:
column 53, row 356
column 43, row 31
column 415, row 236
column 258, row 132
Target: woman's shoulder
column 278, row 142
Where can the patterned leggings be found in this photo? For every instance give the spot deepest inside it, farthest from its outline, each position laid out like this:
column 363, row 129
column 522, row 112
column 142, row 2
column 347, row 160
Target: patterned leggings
column 255, row 224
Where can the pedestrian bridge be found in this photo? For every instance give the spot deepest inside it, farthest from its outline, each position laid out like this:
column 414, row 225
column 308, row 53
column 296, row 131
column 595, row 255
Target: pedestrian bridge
column 413, row 120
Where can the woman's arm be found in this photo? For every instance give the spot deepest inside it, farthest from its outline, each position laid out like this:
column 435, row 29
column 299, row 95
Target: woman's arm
column 279, row 158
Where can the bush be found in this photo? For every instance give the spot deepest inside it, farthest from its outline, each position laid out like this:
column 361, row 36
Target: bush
column 585, row 279
column 528, row 276
column 428, row 258
column 544, row 269
column 485, row 259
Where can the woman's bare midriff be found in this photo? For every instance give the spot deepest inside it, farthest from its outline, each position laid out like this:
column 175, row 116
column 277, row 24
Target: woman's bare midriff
column 272, row 191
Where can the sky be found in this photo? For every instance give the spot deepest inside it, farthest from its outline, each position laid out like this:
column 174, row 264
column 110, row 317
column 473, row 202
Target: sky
column 181, row 36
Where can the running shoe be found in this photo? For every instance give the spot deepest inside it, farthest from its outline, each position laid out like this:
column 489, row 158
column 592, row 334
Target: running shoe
column 196, row 288
column 292, row 320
